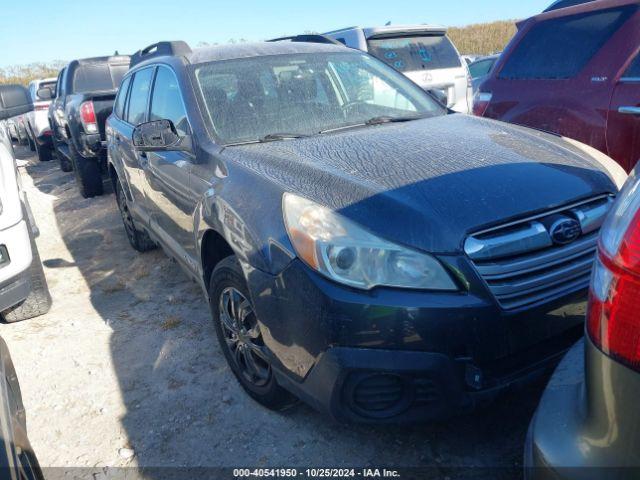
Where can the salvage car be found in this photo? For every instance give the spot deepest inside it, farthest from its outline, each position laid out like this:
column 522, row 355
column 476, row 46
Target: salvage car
column 84, row 100
column 357, row 251
column 573, row 71
column 423, row 53
column 23, row 288
column 587, row 423
column 38, row 127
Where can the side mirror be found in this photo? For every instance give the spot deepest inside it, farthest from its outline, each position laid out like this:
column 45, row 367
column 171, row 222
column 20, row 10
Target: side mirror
column 44, row 93
column 159, row 136
column 14, row 100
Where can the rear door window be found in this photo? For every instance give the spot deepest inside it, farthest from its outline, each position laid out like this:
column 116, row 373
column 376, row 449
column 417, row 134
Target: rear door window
column 122, row 97
column 481, row 68
column 560, row 48
column 139, row 96
column 425, row 52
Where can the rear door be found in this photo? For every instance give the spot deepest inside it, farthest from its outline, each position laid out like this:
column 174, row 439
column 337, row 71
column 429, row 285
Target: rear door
column 135, row 113
column 558, row 75
column 623, row 127
column 167, row 185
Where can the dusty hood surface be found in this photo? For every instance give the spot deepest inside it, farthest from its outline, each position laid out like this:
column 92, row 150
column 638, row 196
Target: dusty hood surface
column 429, row 183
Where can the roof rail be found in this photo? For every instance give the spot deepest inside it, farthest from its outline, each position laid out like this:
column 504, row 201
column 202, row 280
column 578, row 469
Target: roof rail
column 308, row 37
column 160, row 49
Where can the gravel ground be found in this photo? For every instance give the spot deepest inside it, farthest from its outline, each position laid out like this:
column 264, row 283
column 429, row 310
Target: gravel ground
column 125, row 370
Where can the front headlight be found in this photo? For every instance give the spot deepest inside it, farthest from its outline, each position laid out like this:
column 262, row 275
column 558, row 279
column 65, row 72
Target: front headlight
column 345, row 252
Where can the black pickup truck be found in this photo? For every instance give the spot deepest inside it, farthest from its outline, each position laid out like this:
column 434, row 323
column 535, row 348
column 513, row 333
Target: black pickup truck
column 85, row 95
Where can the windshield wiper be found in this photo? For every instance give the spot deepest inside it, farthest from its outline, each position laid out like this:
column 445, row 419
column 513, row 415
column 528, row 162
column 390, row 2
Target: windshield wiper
column 388, row 119
column 274, row 137
column 375, row 121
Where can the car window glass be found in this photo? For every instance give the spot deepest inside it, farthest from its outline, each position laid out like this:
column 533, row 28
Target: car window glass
column 480, row 68
column 139, row 96
column 560, row 48
column 122, row 96
column 247, row 99
column 633, row 71
column 425, row 52
column 362, row 85
column 62, row 83
column 166, row 101
column 98, row 77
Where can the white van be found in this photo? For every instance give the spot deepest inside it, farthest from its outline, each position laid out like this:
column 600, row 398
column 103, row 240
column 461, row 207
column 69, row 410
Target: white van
column 423, row 53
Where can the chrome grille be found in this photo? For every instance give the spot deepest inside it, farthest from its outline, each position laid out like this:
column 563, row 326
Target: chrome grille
column 523, row 265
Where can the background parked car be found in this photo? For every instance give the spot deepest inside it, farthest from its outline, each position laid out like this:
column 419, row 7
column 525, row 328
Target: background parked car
column 588, row 416
column 575, row 72
column 423, row 53
column 480, row 68
column 23, row 288
column 361, row 318
column 84, row 100
column 37, row 121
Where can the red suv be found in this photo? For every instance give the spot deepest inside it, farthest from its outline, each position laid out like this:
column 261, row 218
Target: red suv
column 574, row 71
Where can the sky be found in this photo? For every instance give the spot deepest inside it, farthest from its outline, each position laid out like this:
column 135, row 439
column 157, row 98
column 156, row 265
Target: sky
column 46, row 30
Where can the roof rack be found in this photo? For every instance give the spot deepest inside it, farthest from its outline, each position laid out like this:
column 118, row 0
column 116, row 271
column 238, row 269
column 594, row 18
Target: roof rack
column 309, row 38
column 160, row 49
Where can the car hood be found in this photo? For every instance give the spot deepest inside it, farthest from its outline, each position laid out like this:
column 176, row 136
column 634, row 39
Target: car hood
column 429, row 183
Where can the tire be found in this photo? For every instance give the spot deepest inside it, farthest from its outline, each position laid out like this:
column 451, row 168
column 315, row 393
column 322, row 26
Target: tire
column 65, row 164
column 32, row 142
column 88, row 174
column 227, row 279
column 44, row 153
column 139, row 240
column 39, row 300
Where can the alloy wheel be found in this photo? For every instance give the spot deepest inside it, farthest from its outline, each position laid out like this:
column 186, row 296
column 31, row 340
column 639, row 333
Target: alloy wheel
column 242, row 336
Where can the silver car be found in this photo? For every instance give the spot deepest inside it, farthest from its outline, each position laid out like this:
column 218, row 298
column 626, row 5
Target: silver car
column 423, row 53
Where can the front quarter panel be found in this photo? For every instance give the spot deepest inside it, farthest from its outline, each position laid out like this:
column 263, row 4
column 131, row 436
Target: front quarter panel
column 246, row 209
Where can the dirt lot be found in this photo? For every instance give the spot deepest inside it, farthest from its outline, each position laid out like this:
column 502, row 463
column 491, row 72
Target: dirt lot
column 125, row 369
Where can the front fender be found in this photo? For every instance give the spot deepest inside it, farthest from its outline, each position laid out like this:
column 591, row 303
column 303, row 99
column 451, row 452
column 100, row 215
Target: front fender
column 246, row 211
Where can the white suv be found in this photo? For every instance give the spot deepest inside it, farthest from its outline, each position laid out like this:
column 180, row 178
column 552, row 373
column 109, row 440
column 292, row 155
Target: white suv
column 23, row 287
column 423, row 53
column 37, row 120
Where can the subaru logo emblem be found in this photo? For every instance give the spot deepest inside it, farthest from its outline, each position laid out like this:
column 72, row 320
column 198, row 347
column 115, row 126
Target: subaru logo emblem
column 565, row 230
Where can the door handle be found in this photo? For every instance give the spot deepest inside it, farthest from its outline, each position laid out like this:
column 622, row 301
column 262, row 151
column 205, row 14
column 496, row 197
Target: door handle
column 143, row 155
column 629, row 110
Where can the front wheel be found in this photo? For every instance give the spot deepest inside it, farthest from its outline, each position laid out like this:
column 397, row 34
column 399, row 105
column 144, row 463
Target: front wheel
column 240, row 337
column 44, row 153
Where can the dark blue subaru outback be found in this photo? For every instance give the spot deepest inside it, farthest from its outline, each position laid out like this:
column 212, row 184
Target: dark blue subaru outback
column 362, row 248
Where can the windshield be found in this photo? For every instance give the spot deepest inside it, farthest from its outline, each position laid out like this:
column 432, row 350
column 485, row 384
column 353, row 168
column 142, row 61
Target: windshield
column 304, row 94
column 408, row 54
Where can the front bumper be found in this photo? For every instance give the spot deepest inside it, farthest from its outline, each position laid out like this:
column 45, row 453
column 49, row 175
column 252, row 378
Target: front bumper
column 14, row 283
column 586, row 425
column 428, row 354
